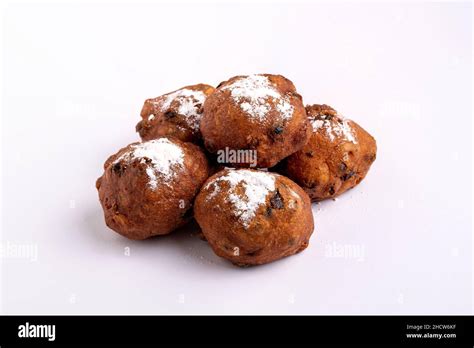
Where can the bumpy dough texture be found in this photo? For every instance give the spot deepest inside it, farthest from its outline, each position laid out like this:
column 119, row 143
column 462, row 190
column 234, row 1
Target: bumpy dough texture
column 251, row 234
column 176, row 114
column 257, row 112
column 336, row 158
column 148, row 188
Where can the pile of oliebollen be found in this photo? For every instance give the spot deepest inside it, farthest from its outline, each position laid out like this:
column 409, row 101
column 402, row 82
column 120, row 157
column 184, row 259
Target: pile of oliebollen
column 245, row 159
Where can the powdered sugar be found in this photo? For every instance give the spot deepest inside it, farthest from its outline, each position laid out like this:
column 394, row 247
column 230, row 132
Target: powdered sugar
column 294, row 194
column 253, row 94
column 164, row 159
column 295, row 198
column 334, row 128
column 256, row 187
column 189, row 104
column 317, row 124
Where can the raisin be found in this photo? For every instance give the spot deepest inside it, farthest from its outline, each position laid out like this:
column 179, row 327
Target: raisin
column 342, row 167
column 118, row 168
column 331, row 190
column 347, row 176
column 276, row 201
column 278, row 130
column 274, row 133
column 327, row 117
column 170, row 114
column 309, row 154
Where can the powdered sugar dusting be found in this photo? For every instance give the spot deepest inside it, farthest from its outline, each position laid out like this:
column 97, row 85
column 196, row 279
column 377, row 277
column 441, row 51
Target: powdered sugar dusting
column 256, row 187
column 296, row 197
column 294, row 194
column 189, row 104
column 253, row 94
column 164, row 159
column 334, row 128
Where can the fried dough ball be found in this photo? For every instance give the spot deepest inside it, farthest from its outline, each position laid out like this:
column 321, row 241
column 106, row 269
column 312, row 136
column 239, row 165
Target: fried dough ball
column 253, row 217
column 148, row 188
column 262, row 113
column 176, row 114
column 336, row 158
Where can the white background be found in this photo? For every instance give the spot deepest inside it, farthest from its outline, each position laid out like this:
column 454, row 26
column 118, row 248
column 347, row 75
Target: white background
column 74, row 80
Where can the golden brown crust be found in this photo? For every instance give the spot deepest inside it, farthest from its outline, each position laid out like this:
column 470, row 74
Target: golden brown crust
column 178, row 118
column 336, row 158
column 136, row 210
column 282, row 224
column 226, row 124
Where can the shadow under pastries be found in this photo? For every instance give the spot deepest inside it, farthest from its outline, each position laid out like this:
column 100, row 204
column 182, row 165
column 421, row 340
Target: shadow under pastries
column 185, row 240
